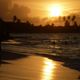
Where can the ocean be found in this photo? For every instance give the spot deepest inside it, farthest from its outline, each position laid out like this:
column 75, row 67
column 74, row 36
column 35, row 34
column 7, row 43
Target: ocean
column 64, row 44
column 36, row 67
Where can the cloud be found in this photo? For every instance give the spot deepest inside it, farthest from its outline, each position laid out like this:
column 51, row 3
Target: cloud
column 20, row 11
column 5, row 5
column 8, row 8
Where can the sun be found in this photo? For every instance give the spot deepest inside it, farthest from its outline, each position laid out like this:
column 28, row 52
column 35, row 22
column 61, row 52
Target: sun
column 55, row 11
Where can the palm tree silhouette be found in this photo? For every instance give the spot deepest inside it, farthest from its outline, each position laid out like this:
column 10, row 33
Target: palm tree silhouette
column 14, row 19
column 74, row 21
column 66, row 21
column 73, row 18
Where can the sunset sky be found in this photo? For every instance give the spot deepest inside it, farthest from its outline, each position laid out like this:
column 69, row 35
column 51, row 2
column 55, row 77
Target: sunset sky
column 38, row 8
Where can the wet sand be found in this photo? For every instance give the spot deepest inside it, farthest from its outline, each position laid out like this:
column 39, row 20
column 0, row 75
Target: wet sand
column 68, row 62
column 15, row 66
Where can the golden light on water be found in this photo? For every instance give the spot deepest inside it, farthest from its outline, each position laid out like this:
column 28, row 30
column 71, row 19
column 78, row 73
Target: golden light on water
column 48, row 69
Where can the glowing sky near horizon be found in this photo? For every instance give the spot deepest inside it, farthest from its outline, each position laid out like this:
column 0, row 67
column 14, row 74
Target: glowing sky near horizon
column 40, row 7
column 38, row 11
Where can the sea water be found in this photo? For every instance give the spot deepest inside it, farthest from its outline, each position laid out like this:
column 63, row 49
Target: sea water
column 36, row 67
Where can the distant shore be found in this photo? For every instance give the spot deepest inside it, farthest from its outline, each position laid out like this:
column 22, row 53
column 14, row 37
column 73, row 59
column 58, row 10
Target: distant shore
column 22, row 27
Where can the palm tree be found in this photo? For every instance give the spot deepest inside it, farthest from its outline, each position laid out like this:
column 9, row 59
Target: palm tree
column 68, row 17
column 74, row 21
column 67, row 23
column 18, row 21
column 66, row 20
column 73, row 18
column 14, row 19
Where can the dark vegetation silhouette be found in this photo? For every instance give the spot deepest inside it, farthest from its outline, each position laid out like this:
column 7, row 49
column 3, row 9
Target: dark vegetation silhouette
column 16, row 26
column 14, row 19
column 4, row 32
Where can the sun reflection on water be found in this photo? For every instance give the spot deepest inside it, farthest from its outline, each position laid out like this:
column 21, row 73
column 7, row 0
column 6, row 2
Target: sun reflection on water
column 48, row 69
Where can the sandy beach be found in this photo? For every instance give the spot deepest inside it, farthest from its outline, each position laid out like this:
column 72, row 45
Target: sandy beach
column 15, row 66
column 34, row 58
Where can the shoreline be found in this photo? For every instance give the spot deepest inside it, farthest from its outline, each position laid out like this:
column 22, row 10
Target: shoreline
column 70, row 63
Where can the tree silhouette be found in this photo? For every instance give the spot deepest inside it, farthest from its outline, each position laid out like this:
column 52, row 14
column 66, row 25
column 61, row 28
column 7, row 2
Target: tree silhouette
column 73, row 18
column 14, row 19
column 18, row 21
column 64, row 18
column 66, row 21
column 75, row 24
column 74, row 21
column 68, row 17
